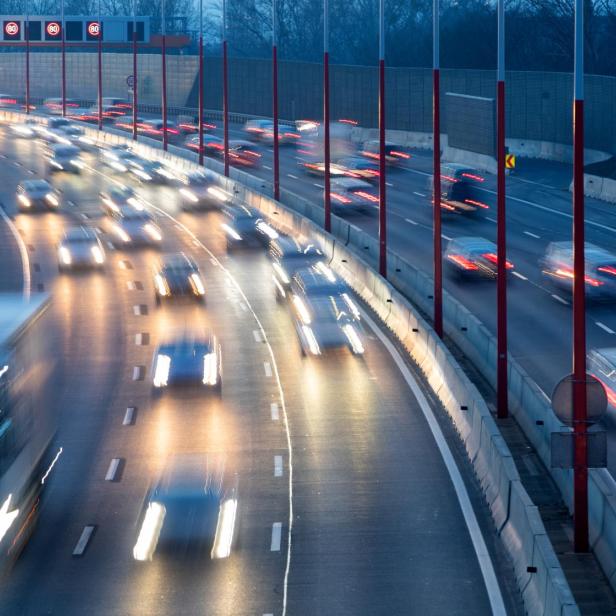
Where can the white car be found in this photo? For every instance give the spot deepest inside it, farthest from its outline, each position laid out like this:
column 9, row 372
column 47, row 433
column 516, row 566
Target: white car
column 80, row 247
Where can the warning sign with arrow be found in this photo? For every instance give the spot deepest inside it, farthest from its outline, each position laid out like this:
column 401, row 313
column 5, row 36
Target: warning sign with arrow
column 510, row 161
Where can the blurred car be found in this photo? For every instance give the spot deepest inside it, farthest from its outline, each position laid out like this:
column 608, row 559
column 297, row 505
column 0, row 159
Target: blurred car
column 8, row 101
column 473, row 256
column 262, row 130
column 323, row 323
column 460, row 186
column 151, row 171
column 25, row 130
column 360, row 168
column 601, row 363
column 61, row 157
column 352, row 194
column 131, row 227
column 80, row 114
column 80, row 247
column 244, row 227
column 77, row 136
column 37, row 194
column 154, row 128
column 112, row 108
column 192, row 508
column 49, row 126
column 54, row 105
column 117, row 197
column 600, row 274
column 287, row 256
column 212, row 145
column 119, row 158
column 178, row 275
column 242, row 154
column 186, row 361
column 319, row 280
column 317, row 167
column 189, row 125
column 125, row 123
column 394, row 154
column 198, row 189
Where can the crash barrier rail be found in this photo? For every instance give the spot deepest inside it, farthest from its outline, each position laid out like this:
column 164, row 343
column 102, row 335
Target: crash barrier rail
column 540, row 578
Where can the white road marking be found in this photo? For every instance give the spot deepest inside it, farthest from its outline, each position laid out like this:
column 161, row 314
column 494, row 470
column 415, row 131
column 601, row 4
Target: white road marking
column 518, row 275
column 131, row 285
column 276, row 537
column 138, row 373
column 604, row 327
column 412, row 222
column 491, row 219
column 138, row 310
column 274, row 411
column 318, row 185
column 243, row 306
column 112, row 470
column 537, row 237
column 293, row 177
column 268, row 368
column 483, row 556
column 128, row 416
column 53, row 463
column 256, row 335
column 23, row 251
column 389, row 184
column 445, row 237
column 418, row 194
column 267, row 167
column 140, row 339
column 558, row 298
column 277, row 466
column 82, row 544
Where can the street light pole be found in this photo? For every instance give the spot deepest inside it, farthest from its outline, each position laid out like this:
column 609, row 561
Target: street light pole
column 326, row 143
column 27, row 34
column 225, row 88
column 135, row 78
column 382, row 195
column 436, row 142
column 164, row 78
column 100, row 68
column 580, row 499
column 200, row 118
column 501, row 229
column 275, row 102
column 63, row 44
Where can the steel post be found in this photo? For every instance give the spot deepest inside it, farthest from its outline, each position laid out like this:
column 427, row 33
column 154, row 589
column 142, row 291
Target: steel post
column 436, row 163
column 382, row 182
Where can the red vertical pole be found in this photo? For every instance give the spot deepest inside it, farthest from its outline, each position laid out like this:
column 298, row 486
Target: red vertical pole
column 502, row 402
column 436, row 161
column 201, row 99
column 326, row 143
column 580, row 508
column 225, row 105
column 63, row 46
column 382, row 184
column 135, row 81
column 164, row 88
column 100, row 73
column 27, row 33
column 275, row 114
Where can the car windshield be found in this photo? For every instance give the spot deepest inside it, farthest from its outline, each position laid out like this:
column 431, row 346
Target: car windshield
column 37, row 185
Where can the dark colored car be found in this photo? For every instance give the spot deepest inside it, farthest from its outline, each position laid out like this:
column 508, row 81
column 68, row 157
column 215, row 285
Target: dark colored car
column 37, row 195
column 473, row 257
column 80, row 247
column 244, row 227
column 178, row 275
column 289, row 255
column 199, row 189
column 460, row 189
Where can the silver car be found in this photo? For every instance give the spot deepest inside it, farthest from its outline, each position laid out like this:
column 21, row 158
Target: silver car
column 80, row 247
column 130, row 227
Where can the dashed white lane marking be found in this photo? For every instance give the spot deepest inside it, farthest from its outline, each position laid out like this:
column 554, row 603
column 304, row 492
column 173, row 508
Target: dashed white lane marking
column 483, row 555
column 518, row 275
column 268, row 368
column 23, row 252
column 243, row 307
column 82, row 544
column 491, row 219
column 445, row 237
column 389, row 184
column 256, row 335
column 276, row 537
column 138, row 373
column 530, row 234
column 604, row 327
column 142, row 339
column 129, row 416
column 318, row 185
column 558, row 298
column 277, row 466
column 274, row 411
column 267, row 167
column 131, row 285
column 113, row 469
column 293, row 177
column 418, row 194
column 138, row 309
column 412, row 222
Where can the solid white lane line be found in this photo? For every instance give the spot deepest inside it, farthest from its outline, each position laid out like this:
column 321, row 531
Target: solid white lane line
column 604, row 327
column 445, row 237
column 23, row 252
column 418, row 194
column 412, row 222
column 277, row 466
column 82, row 544
column 256, row 335
column 112, row 470
column 274, row 411
column 530, row 234
column 389, row 184
column 243, row 306
column 267, row 167
column 483, row 556
column 293, row 177
column 129, row 416
column 558, row 298
column 318, row 185
column 268, row 368
column 276, row 537
column 490, row 219
column 518, row 275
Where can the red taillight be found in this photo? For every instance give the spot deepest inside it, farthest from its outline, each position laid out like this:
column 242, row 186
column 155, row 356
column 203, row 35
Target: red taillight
column 449, row 178
column 347, row 121
column 173, row 131
column 367, row 196
column 477, row 203
column 463, row 262
column 8, row 101
column 611, row 394
column 400, row 154
column 490, row 256
column 607, row 269
column 568, row 273
column 472, row 176
column 371, row 154
column 340, row 198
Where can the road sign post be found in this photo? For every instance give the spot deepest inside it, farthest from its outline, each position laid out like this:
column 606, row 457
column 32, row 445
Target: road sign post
column 382, row 182
column 510, row 161
column 135, row 75
column 436, row 177
column 326, row 143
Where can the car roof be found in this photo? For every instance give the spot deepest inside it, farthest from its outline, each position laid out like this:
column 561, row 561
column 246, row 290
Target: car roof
column 326, row 306
column 349, row 183
column 35, row 184
column 183, row 343
column 239, row 210
column 178, row 260
column 286, row 245
column 472, row 243
column 608, row 353
column 311, row 278
column 130, row 213
column 80, row 233
column 591, row 251
column 192, row 475
column 64, row 149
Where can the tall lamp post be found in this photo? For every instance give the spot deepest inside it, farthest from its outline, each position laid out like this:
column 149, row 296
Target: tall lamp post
column 135, row 78
column 382, row 194
column 275, row 101
column 27, row 35
column 327, row 195
column 436, row 142
column 63, row 45
column 225, row 88
column 164, row 77
column 100, row 68
column 200, row 115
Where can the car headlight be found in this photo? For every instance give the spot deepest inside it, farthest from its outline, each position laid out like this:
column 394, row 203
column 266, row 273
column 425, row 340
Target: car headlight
column 166, row 174
column 140, row 173
column 197, row 284
column 98, row 255
column 189, row 195
column 210, row 369
column 267, row 230
column 231, row 232
column 313, row 345
column 149, row 532
column 125, row 237
column 52, row 199
column 352, row 306
column 281, row 273
column 65, row 255
column 354, row 340
column 224, row 529
column 78, row 163
column 161, row 285
column 24, row 200
column 161, row 371
column 303, row 312
column 85, row 140
column 24, row 131
column 135, row 203
column 219, row 193
column 152, row 231
column 118, row 166
column 56, row 164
